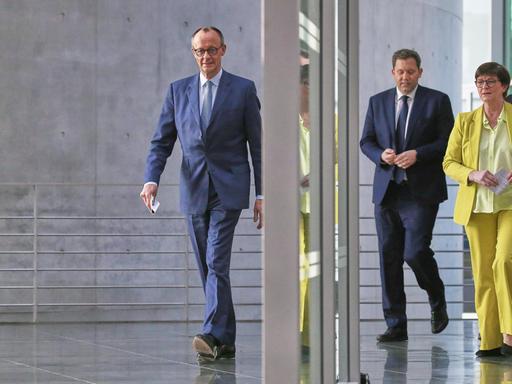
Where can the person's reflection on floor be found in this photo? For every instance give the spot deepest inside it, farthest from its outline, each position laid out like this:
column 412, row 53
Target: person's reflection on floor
column 216, row 371
column 440, row 362
column 495, row 370
column 395, row 367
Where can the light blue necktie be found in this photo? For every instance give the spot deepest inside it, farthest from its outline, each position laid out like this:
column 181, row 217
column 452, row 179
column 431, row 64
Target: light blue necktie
column 207, row 106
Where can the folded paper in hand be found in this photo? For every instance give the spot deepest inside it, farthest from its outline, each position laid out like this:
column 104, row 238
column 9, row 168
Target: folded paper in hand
column 501, row 175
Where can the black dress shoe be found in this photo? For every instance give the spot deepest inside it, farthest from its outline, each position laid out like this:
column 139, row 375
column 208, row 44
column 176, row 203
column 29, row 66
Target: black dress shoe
column 226, row 351
column 439, row 320
column 393, row 334
column 488, row 352
column 506, row 350
column 206, row 346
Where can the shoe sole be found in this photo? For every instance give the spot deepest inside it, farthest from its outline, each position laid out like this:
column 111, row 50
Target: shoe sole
column 393, row 340
column 203, row 349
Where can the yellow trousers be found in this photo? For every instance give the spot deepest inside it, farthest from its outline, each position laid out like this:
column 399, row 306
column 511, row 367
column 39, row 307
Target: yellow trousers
column 490, row 242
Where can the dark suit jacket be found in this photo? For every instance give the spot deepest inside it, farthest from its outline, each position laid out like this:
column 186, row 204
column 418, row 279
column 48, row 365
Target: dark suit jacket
column 221, row 154
column 509, row 98
column 430, row 124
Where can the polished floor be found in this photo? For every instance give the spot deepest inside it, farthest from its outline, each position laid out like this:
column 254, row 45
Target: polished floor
column 446, row 358
column 154, row 353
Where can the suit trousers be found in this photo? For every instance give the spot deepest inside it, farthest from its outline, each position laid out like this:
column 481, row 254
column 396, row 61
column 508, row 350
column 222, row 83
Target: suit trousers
column 404, row 230
column 212, row 235
column 490, row 242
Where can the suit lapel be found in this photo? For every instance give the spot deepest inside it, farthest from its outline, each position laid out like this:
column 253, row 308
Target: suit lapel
column 390, row 112
column 417, row 108
column 222, row 93
column 475, row 133
column 193, row 99
column 508, row 112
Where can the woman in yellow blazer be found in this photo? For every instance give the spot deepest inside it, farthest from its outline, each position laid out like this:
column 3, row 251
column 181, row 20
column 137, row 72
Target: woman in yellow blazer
column 479, row 158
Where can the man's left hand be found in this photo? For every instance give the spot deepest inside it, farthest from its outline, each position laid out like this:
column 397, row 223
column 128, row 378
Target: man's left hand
column 258, row 213
column 406, row 159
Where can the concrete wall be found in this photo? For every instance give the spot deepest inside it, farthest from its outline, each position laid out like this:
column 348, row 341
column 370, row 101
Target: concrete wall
column 82, row 86
column 434, row 29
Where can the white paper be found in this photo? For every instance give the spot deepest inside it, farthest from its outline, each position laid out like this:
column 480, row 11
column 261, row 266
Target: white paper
column 501, row 175
column 154, row 206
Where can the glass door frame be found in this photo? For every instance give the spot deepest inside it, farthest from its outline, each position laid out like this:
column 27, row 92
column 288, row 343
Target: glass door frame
column 281, row 346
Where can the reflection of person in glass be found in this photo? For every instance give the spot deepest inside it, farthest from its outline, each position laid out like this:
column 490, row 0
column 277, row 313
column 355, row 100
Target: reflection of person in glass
column 405, row 135
column 304, row 126
column 479, row 158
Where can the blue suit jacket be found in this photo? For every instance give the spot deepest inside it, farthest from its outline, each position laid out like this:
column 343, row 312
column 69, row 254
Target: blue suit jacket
column 221, row 154
column 430, row 124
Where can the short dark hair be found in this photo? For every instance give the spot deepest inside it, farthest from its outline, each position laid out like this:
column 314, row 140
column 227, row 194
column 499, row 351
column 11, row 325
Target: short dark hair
column 208, row 29
column 404, row 54
column 498, row 70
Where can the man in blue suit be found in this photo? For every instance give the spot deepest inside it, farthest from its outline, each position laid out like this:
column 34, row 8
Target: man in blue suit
column 216, row 116
column 405, row 134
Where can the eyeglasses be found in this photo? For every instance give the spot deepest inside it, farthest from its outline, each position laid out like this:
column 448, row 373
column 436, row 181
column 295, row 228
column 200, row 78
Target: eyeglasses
column 488, row 83
column 200, row 52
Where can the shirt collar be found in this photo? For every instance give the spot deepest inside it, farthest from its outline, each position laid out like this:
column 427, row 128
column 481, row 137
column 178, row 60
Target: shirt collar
column 215, row 79
column 501, row 118
column 411, row 94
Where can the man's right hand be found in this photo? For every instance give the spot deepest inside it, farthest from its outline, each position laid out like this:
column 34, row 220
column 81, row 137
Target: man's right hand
column 148, row 193
column 388, row 156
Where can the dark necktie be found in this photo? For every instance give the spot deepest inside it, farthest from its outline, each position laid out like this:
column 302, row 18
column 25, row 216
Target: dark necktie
column 400, row 125
column 399, row 173
column 206, row 110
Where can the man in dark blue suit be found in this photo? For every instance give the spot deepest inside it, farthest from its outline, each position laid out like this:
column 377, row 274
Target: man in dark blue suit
column 405, row 134
column 216, row 117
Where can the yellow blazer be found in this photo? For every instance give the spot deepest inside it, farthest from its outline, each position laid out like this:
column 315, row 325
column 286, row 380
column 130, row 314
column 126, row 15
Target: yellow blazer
column 461, row 158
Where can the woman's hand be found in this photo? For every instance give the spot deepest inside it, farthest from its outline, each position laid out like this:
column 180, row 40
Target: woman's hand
column 485, row 178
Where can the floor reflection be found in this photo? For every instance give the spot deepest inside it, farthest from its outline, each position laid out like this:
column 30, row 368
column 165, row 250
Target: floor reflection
column 495, row 371
column 221, row 371
column 160, row 353
column 426, row 358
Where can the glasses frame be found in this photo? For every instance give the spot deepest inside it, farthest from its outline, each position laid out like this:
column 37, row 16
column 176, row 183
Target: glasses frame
column 212, row 51
column 488, row 83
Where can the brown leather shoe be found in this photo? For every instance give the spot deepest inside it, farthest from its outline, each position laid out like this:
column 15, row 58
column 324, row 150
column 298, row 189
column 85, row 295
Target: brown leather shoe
column 205, row 345
column 209, row 347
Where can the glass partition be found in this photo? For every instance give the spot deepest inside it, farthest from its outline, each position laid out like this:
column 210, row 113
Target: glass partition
column 508, row 34
column 310, row 177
